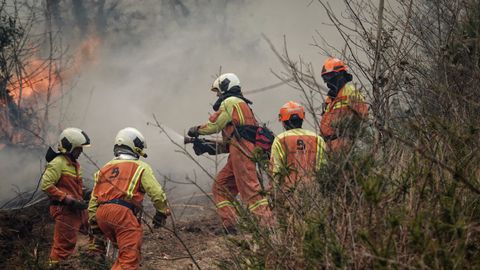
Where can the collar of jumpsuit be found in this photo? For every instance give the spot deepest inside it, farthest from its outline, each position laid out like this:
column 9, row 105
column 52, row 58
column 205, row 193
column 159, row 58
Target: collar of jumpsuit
column 335, row 82
column 126, row 157
column 233, row 92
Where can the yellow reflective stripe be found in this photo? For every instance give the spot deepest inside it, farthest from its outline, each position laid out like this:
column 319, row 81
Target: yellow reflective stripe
column 133, row 182
column 240, row 113
column 341, row 104
column 224, row 204
column 296, row 132
column 69, row 170
column 70, row 173
column 95, row 176
column 257, row 204
column 320, row 155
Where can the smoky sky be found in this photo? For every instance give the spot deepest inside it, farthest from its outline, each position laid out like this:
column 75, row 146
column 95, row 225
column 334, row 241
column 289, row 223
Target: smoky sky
column 161, row 57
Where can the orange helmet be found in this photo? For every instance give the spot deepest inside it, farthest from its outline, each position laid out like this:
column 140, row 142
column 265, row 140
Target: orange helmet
column 289, row 109
column 332, row 64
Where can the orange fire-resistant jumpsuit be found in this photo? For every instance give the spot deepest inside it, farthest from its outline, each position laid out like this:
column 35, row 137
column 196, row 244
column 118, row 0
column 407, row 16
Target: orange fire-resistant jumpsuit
column 63, row 177
column 119, row 190
column 297, row 154
column 349, row 102
column 239, row 174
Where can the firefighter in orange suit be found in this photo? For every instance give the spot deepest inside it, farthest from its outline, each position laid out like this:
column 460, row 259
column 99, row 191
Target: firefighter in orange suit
column 239, row 175
column 297, row 154
column 62, row 182
column 117, row 196
column 344, row 105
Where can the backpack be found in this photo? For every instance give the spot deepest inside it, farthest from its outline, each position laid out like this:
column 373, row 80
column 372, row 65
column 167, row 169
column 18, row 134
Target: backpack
column 261, row 136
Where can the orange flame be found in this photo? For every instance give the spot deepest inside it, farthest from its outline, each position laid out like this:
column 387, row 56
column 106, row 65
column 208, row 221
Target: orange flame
column 88, row 51
column 41, row 76
column 36, row 77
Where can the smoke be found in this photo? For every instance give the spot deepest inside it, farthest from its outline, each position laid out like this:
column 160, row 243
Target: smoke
column 160, row 58
column 20, row 170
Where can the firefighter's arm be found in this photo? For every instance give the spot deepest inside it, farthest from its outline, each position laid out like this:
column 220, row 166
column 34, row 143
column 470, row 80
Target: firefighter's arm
column 50, row 178
column 154, row 190
column 358, row 104
column 321, row 159
column 216, row 122
column 277, row 156
column 93, row 203
column 279, row 166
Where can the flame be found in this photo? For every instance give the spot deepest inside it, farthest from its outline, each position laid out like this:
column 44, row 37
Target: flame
column 41, row 76
column 87, row 52
column 37, row 79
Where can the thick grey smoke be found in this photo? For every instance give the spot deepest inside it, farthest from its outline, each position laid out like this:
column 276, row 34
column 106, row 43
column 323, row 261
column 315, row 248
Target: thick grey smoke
column 161, row 58
column 19, row 177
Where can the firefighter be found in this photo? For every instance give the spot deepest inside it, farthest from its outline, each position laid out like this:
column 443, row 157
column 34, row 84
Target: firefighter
column 297, row 153
column 344, row 108
column 232, row 112
column 118, row 194
column 62, row 182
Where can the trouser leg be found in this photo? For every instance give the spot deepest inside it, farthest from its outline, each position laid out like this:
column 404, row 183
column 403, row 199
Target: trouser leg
column 224, row 191
column 120, row 225
column 67, row 224
column 244, row 170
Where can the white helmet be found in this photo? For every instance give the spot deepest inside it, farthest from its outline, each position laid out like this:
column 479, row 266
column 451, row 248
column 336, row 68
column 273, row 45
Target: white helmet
column 225, row 82
column 132, row 138
column 71, row 138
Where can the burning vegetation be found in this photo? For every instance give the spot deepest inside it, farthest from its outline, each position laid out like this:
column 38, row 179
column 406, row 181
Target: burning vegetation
column 35, row 75
column 35, row 72
column 408, row 199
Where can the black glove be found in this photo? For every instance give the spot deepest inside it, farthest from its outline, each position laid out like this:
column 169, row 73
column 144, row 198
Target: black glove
column 74, row 203
column 193, row 131
column 201, row 147
column 159, row 220
column 79, row 205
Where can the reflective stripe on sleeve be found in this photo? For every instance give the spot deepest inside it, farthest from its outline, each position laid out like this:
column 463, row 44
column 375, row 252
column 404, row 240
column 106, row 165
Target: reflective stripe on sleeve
column 224, row 204
column 341, row 104
column 70, row 172
column 133, row 182
column 258, row 203
column 240, row 113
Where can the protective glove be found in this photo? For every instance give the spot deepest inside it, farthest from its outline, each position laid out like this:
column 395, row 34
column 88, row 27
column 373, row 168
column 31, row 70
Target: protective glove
column 68, row 200
column 201, row 147
column 159, row 220
column 79, row 205
column 74, row 203
column 193, row 131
